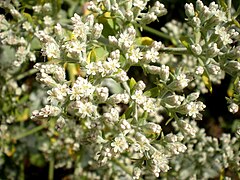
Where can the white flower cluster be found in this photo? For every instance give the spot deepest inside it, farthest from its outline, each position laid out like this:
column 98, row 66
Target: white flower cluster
column 46, row 112
column 131, row 11
column 50, row 74
column 207, row 152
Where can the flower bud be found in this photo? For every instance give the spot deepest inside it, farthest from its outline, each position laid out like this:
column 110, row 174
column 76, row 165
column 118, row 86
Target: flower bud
column 233, row 108
column 151, row 128
column 196, row 22
column 115, row 54
column 60, row 122
column 141, row 138
column 113, row 40
column 196, row 49
column 173, row 100
column 171, row 138
column 213, row 69
column 97, row 30
column 129, row 16
column 179, row 83
column 140, row 85
column 164, row 73
column 157, row 45
column 189, row 10
column 136, row 172
column 193, row 96
column 212, row 50
column 232, row 66
column 199, row 5
column 152, row 69
column 199, row 70
column 102, row 93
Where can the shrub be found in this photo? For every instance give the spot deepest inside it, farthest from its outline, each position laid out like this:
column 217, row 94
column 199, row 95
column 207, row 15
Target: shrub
column 84, row 92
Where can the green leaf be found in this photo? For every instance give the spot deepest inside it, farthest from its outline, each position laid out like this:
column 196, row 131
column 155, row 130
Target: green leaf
column 223, row 4
column 236, row 23
column 154, row 92
column 132, row 83
column 27, row 16
column 114, row 87
column 37, row 160
column 185, row 41
column 7, row 55
column 101, row 53
column 35, row 44
column 108, row 24
column 128, row 112
column 23, row 115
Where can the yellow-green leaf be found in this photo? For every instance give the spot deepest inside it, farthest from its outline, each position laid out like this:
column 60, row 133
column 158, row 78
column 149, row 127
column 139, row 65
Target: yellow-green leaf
column 23, row 115
column 10, row 152
column 206, row 81
column 144, row 41
column 27, row 16
column 132, row 83
column 73, row 71
column 154, row 92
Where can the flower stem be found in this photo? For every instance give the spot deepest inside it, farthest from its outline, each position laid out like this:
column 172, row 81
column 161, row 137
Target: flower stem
column 126, row 87
column 154, row 31
column 51, row 169
column 229, row 9
column 32, row 131
column 21, row 176
column 25, row 74
column 176, row 51
column 127, row 170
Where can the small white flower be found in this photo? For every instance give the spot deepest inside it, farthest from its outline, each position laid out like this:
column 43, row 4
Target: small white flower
column 137, row 173
column 149, row 105
column 141, row 4
column 119, row 144
column 48, row 21
column 37, row 8
column 223, row 34
column 139, row 97
column 58, row 93
column 125, row 125
column 196, row 49
column 214, row 69
column 46, row 112
column 189, row 10
column 86, row 109
column 110, row 66
column 164, row 72
column 97, row 30
column 112, row 116
column 47, row 6
column 75, row 47
column 193, row 108
column 81, row 88
column 134, row 55
column 102, row 93
column 121, row 76
column 27, row 26
column 182, row 81
column 233, row 108
column 52, row 50
column 151, row 55
column 199, row 70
